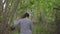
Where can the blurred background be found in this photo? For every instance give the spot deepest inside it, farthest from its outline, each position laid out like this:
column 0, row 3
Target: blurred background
column 44, row 13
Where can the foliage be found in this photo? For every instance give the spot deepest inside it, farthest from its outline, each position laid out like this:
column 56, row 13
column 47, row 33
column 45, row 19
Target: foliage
column 41, row 11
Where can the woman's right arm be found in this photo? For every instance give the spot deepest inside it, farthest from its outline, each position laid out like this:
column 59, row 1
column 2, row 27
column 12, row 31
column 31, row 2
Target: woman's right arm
column 15, row 24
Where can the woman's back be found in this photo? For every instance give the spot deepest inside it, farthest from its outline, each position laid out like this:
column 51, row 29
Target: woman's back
column 26, row 26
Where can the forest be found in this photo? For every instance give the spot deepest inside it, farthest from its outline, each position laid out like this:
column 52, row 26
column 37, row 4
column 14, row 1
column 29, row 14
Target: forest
column 44, row 13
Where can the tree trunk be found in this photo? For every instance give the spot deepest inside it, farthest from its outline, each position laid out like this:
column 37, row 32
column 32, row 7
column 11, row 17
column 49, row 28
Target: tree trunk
column 4, row 27
column 57, row 19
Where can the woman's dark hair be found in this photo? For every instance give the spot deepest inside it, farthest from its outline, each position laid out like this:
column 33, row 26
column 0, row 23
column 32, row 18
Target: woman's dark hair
column 25, row 15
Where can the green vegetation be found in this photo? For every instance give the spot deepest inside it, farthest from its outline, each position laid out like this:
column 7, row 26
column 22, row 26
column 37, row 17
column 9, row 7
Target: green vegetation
column 42, row 12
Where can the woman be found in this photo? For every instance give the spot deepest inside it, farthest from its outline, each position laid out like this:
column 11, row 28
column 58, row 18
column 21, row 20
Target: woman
column 25, row 24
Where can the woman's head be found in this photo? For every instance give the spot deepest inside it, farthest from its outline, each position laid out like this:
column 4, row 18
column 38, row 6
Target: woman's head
column 25, row 15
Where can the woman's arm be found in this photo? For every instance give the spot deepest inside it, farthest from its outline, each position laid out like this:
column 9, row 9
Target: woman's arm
column 31, row 25
column 17, row 22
